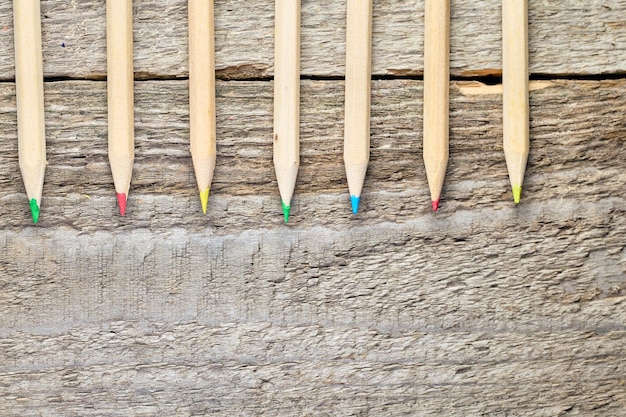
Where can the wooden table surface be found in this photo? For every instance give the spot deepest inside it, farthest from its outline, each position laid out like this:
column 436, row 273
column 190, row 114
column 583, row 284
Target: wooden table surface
column 482, row 309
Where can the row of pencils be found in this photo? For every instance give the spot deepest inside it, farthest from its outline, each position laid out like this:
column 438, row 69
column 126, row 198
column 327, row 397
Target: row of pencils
column 120, row 96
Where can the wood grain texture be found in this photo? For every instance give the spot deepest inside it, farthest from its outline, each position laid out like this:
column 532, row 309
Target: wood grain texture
column 568, row 37
column 394, row 312
column 484, row 309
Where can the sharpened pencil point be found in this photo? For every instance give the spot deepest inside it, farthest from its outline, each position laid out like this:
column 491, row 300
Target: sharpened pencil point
column 355, row 203
column 436, row 204
column 34, row 210
column 517, row 194
column 204, row 199
column 121, row 201
column 286, row 209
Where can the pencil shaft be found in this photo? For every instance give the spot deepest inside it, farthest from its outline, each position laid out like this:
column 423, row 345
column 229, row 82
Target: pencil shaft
column 202, row 90
column 120, row 95
column 515, row 88
column 29, row 89
column 436, row 93
column 356, row 150
column 287, row 96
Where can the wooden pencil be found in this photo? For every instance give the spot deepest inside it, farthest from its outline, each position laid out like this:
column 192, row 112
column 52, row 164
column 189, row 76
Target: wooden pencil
column 436, row 94
column 515, row 91
column 202, row 94
column 356, row 150
column 286, row 98
column 120, row 97
column 31, row 130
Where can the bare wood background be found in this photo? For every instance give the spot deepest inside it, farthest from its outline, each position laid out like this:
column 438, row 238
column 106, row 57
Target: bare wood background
column 484, row 309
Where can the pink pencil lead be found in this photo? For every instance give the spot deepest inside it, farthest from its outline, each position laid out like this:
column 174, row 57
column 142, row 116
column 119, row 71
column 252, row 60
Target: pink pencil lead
column 121, row 202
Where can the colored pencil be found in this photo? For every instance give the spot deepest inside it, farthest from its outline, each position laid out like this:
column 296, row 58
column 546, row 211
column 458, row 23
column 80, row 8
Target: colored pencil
column 436, row 94
column 356, row 150
column 515, row 91
column 202, row 94
column 120, row 97
column 31, row 131
column 286, row 98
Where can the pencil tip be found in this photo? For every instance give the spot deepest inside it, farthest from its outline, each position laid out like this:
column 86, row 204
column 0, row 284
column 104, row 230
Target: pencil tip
column 436, row 204
column 204, row 199
column 286, row 209
column 121, row 202
column 355, row 203
column 34, row 210
column 517, row 193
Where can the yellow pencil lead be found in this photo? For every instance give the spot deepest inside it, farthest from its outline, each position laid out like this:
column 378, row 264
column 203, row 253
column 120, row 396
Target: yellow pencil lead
column 517, row 194
column 204, row 199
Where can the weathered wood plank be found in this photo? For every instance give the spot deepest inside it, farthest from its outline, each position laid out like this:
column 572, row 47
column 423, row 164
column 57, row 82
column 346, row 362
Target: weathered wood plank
column 125, row 368
column 577, row 139
column 566, row 37
column 482, row 309
column 541, row 269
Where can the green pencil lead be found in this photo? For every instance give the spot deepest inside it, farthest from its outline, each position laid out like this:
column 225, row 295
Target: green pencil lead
column 34, row 210
column 286, row 209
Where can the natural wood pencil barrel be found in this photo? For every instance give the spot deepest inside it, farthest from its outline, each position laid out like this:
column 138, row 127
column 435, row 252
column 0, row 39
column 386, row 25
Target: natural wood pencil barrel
column 31, row 130
column 202, row 93
column 120, row 97
column 356, row 151
column 436, row 94
column 515, row 90
column 287, row 96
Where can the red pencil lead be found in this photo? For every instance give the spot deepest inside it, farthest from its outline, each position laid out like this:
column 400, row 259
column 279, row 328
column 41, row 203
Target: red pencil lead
column 121, row 202
column 436, row 204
